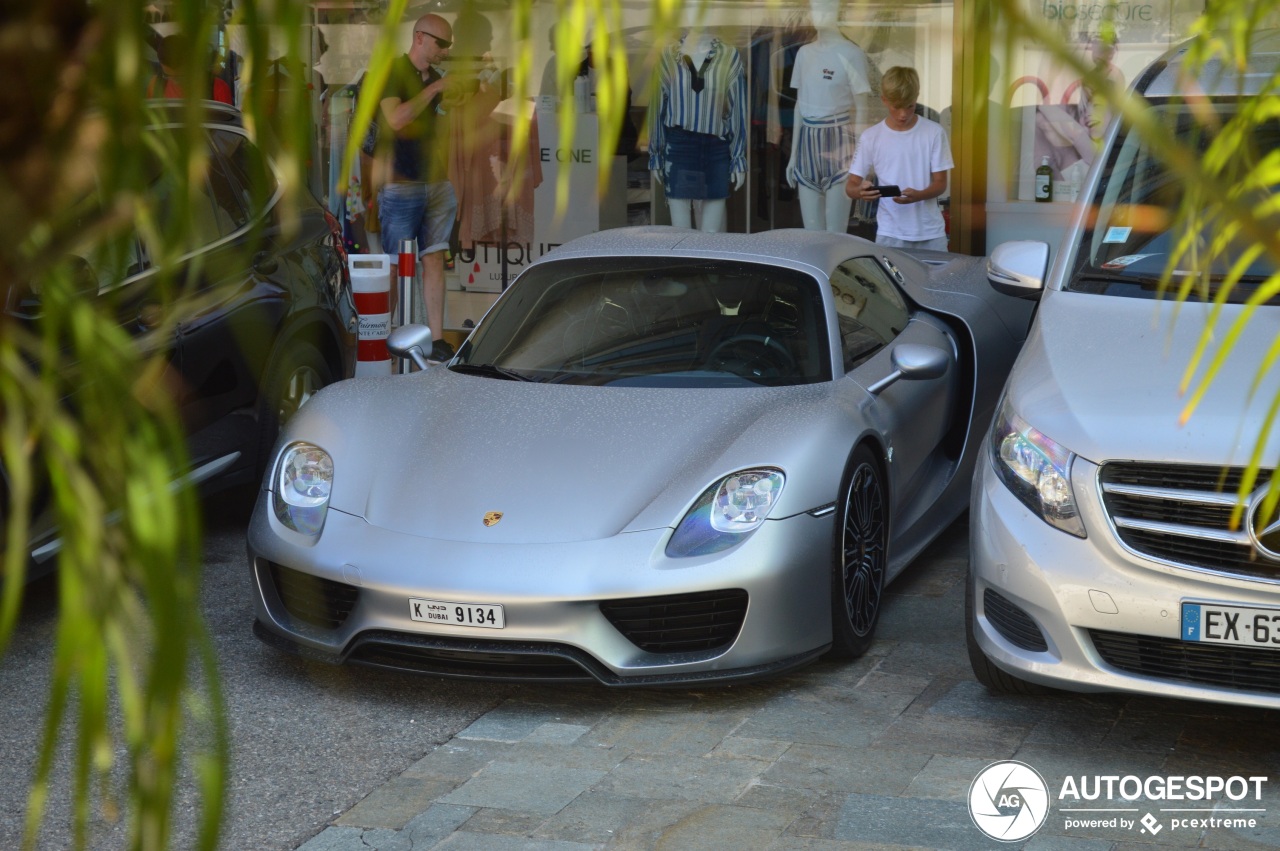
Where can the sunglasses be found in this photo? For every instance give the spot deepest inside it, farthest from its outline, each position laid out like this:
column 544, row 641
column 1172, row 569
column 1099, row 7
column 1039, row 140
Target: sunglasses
column 442, row 43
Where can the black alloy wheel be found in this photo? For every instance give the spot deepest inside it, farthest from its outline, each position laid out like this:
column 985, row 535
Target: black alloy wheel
column 861, row 557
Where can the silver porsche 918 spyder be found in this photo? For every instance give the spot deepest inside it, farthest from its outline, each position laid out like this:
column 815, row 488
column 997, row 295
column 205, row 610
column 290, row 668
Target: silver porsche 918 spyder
column 663, row 457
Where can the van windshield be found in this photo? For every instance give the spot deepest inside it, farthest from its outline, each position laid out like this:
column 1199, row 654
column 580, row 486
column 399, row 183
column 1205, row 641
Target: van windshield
column 1126, row 250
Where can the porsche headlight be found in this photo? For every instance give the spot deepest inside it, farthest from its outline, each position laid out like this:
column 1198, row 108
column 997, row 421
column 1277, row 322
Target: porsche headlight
column 727, row 512
column 303, row 484
column 1036, row 469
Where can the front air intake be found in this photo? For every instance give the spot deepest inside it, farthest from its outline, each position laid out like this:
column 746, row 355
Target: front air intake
column 1251, row 669
column 679, row 623
column 311, row 599
column 1013, row 623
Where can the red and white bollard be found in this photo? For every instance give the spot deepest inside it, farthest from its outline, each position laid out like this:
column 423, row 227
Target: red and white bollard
column 371, row 287
column 406, row 293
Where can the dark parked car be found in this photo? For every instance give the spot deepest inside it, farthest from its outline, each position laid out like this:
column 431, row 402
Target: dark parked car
column 267, row 317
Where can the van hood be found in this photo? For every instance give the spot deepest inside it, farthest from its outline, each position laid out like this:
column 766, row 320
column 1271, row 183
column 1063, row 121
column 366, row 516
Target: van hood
column 1102, row 376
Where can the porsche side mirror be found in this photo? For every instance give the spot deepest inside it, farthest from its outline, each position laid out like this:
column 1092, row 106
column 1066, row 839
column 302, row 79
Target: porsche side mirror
column 412, row 342
column 913, row 362
column 1018, row 268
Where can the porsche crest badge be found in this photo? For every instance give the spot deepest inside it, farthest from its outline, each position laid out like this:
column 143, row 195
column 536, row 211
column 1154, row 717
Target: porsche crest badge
column 492, row 517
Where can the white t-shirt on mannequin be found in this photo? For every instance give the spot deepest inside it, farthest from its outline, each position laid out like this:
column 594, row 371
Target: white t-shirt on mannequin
column 828, row 75
column 906, row 158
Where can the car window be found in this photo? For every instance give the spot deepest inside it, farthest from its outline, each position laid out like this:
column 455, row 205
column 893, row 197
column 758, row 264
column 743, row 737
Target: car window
column 247, row 172
column 228, row 198
column 112, row 261
column 97, row 263
column 658, row 322
column 870, row 311
column 212, row 216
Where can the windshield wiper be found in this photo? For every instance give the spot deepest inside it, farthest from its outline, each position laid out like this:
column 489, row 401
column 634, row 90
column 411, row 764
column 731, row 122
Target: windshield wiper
column 490, row 370
column 1132, row 278
column 1105, row 283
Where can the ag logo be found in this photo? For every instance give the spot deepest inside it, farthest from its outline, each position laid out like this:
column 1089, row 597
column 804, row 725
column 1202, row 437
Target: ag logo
column 1008, row 801
column 491, row 517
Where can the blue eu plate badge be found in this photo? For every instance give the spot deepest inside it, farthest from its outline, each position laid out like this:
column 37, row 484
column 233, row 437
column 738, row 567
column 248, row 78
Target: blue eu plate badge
column 1190, row 622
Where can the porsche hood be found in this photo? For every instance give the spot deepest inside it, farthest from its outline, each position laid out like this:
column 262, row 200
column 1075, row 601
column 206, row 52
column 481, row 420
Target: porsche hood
column 441, row 455
column 1101, row 376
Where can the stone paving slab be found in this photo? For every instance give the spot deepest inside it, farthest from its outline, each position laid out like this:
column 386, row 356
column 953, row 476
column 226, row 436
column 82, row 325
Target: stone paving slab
column 510, row 786
column 877, row 754
column 395, row 803
column 831, row 769
column 599, row 818
column 663, row 776
column 910, row 821
column 715, row 827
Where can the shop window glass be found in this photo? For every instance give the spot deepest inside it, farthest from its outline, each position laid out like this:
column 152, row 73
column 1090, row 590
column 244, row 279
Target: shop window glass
column 1042, row 112
column 766, row 37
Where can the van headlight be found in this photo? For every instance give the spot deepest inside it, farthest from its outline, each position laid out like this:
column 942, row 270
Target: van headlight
column 303, row 485
column 727, row 512
column 1036, row 469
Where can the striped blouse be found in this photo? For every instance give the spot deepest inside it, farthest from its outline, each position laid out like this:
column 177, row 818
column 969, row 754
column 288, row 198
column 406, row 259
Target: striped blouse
column 711, row 99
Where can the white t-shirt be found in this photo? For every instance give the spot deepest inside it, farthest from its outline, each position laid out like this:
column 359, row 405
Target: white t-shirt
column 906, row 158
column 826, row 78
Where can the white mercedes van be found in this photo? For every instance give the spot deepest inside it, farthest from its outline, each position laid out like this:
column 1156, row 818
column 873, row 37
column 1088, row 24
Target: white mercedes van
column 1104, row 553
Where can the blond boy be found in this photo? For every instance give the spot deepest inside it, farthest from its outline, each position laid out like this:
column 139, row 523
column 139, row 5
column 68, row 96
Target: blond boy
column 908, row 151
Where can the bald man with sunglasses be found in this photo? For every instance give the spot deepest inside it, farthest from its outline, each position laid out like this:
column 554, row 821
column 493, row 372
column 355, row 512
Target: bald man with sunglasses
column 418, row 201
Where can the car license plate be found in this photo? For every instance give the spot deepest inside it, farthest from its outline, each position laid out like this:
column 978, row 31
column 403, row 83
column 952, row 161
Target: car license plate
column 457, row 614
column 1240, row 625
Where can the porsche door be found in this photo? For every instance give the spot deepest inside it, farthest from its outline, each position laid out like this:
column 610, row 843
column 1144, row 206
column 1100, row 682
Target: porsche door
column 913, row 415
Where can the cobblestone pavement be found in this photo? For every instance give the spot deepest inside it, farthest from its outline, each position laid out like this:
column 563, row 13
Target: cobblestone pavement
column 875, row 754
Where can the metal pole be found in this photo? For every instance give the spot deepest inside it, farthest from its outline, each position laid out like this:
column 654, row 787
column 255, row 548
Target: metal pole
column 502, row 220
column 406, row 293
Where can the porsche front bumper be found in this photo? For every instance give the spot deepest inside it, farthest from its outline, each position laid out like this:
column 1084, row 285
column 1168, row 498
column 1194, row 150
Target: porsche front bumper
column 346, row 597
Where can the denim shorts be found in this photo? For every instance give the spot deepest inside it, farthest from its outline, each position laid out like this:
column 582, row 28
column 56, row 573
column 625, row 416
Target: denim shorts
column 695, row 165
column 422, row 211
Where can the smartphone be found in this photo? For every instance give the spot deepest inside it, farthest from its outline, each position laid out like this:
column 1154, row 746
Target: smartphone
column 888, row 191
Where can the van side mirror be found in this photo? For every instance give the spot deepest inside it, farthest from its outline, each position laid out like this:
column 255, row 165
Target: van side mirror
column 1018, row 268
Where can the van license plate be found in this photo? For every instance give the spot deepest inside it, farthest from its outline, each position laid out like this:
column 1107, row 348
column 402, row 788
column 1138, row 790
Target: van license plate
column 1238, row 625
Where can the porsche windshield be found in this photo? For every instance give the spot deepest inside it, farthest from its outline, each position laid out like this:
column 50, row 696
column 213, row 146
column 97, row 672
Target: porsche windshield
column 657, row 322
column 1127, row 249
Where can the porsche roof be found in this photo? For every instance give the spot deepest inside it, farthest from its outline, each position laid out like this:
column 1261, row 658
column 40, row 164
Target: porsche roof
column 788, row 246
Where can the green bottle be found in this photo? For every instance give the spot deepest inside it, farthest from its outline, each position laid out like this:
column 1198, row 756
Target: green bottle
column 1044, row 181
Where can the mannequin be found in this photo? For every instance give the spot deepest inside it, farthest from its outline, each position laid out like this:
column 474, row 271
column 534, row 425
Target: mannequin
column 831, row 78
column 698, row 137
